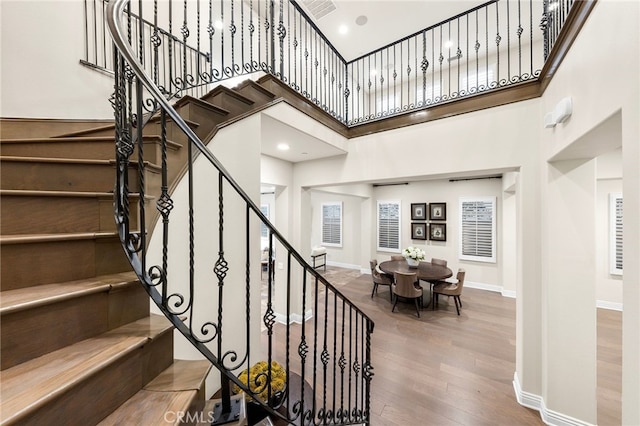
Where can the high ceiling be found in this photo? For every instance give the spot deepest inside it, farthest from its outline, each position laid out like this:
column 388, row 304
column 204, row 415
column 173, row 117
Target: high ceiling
column 386, row 20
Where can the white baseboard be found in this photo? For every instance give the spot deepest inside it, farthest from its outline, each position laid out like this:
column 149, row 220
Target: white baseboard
column 293, row 318
column 491, row 287
column 536, row 402
column 343, row 265
column 609, row 305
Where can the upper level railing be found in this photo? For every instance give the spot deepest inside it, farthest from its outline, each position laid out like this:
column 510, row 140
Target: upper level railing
column 187, row 45
column 193, row 239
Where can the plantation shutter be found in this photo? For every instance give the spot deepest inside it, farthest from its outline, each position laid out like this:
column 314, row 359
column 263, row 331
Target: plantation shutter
column 332, row 224
column 616, row 233
column 477, row 229
column 389, row 226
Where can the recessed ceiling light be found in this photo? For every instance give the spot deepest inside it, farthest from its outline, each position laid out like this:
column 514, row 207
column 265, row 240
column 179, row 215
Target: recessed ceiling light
column 283, row 147
column 343, row 29
column 361, row 20
column 219, row 24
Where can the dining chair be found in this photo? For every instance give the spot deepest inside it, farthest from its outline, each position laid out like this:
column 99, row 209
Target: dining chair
column 439, row 262
column 397, row 257
column 405, row 286
column 379, row 278
column 450, row 288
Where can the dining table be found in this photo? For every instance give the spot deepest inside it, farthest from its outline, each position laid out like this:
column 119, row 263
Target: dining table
column 425, row 271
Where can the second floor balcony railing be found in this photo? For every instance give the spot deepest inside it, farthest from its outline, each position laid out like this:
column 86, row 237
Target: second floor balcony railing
column 188, row 45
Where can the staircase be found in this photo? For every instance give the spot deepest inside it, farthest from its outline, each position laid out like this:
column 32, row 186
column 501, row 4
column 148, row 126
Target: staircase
column 78, row 341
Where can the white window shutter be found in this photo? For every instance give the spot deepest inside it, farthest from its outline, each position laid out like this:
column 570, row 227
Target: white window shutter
column 478, row 229
column 616, row 229
column 389, row 226
column 332, row 224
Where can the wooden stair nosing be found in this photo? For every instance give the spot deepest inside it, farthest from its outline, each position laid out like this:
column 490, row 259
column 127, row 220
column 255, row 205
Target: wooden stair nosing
column 204, row 104
column 155, row 118
column 83, row 139
column 229, row 92
column 256, row 86
column 32, row 297
column 20, row 394
column 41, row 238
column 70, row 194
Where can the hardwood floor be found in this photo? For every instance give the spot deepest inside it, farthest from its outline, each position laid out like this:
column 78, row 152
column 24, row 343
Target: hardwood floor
column 445, row 369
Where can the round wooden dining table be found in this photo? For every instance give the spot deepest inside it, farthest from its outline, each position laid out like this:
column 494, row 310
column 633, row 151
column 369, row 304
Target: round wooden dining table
column 425, row 271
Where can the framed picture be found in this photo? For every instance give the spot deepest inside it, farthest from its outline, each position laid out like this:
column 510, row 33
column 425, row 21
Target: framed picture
column 438, row 211
column 418, row 211
column 438, row 231
column 418, row 231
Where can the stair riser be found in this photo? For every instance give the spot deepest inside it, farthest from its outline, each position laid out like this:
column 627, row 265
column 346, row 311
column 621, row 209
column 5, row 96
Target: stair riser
column 207, row 119
column 60, row 176
column 28, row 264
column 93, row 399
column 34, row 332
column 256, row 95
column 49, row 215
column 95, row 150
column 226, row 101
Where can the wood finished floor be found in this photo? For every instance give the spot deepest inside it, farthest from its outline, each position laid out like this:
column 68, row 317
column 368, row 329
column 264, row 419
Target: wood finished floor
column 444, row 369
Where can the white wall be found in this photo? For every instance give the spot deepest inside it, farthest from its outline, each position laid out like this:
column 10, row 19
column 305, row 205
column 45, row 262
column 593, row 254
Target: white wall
column 609, row 287
column 245, row 170
column 602, row 86
column 41, row 77
column 443, row 191
column 350, row 253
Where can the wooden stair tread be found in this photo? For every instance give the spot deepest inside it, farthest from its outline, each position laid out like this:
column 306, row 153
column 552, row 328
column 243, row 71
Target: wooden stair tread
column 85, row 139
column 190, row 99
column 80, row 133
column 172, row 391
column 32, row 384
column 230, row 92
column 152, row 408
column 41, row 193
column 256, row 86
column 12, row 158
column 181, row 376
column 30, row 297
column 39, row 238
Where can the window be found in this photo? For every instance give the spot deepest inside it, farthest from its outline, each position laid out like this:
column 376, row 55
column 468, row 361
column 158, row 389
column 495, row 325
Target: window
column 332, row 224
column 389, row 226
column 473, row 80
column 478, row 229
column 264, row 231
column 615, row 233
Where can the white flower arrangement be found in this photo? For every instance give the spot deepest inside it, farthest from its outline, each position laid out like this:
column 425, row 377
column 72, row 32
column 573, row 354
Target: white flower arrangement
column 414, row 253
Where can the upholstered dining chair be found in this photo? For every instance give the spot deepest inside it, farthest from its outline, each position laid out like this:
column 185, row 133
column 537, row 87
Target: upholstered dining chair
column 379, row 278
column 404, row 286
column 450, row 288
column 397, row 257
column 439, row 262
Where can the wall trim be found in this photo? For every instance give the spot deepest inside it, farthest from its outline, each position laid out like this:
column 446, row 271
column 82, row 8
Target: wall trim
column 491, row 287
column 613, row 306
column 344, row 265
column 293, row 318
column 536, row 402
